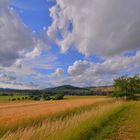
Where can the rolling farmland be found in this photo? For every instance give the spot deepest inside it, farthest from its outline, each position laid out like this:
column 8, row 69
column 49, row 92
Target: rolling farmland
column 74, row 118
column 69, row 70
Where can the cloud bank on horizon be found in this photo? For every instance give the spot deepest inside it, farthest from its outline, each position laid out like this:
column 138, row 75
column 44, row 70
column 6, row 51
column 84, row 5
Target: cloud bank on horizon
column 85, row 43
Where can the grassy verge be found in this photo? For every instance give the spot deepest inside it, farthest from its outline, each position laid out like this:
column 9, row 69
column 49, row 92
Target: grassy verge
column 128, row 126
column 39, row 120
column 108, row 126
column 91, row 127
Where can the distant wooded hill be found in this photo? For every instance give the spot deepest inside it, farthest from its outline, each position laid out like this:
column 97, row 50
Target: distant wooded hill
column 65, row 89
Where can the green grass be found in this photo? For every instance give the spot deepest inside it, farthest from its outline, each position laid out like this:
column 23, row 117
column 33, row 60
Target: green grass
column 108, row 126
column 6, row 98
column 82, row 97
column 128, row 125
column 90, row 128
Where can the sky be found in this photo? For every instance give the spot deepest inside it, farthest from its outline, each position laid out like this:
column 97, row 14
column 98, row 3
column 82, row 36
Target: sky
column 48, row 43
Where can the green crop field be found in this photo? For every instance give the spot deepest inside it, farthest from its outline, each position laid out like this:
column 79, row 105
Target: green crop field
column 7, row 98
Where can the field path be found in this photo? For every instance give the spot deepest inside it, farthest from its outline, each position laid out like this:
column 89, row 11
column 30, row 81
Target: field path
column 128, row 127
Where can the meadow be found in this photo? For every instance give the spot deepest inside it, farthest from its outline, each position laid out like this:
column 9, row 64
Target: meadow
column 75, row 118
column 7, row 98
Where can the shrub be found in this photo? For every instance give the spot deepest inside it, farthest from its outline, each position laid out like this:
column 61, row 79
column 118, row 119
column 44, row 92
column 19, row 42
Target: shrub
column 26, row 98
column 58, row 97
column 14, row 99
column 31, row 97
column 4, row 94
column 46, row 97
column 18, row 98
column 36, row 98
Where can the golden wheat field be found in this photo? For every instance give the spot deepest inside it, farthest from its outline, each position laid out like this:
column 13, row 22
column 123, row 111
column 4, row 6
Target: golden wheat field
column 65, row 128
column 75, row 118
column 11, row 113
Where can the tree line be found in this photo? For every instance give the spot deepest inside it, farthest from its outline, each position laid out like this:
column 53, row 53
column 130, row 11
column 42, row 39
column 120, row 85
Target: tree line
column 127, row 87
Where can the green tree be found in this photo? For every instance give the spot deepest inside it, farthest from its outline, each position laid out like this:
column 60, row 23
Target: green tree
column 127, row 86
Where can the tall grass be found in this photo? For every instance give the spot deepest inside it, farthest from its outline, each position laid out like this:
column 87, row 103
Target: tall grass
column 65, row 111
column 79, row 126
column 15, row 112
column 60, row 115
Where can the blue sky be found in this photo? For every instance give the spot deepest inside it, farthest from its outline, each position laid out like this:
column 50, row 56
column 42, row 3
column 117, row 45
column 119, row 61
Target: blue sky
column 53, row 43
column 35, row 14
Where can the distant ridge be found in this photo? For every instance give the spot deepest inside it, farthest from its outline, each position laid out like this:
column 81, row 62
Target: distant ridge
column 7, row 90
column 61, row 88
column 66, row 87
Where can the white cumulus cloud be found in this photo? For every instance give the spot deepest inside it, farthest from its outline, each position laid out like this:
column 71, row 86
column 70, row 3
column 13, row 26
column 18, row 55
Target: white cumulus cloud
column 58, row 72
column 89, row 73
column 15, row 38
column 105, row 28
column 78, row 67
